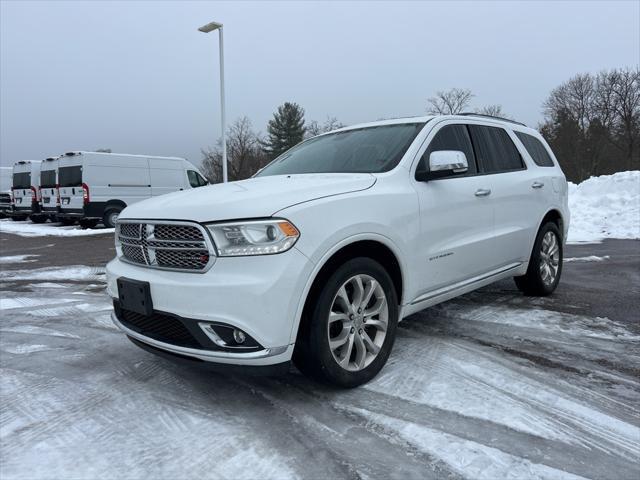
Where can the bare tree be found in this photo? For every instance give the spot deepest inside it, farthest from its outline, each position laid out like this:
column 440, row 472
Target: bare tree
column 493, row 111
column 314, row 128
column 244, row 153
column 449, row 102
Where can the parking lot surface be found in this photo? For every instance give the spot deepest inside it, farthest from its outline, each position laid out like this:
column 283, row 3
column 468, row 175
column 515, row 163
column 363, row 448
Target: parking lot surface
column 489, row 385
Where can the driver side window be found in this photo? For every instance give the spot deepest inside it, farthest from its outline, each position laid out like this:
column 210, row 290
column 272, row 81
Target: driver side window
column 450, row 137
column 195, row 180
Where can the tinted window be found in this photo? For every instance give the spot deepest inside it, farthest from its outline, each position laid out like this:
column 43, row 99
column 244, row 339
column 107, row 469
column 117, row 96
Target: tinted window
column 365, row 150
column 495, row 152
column 195, row 179
column 70, row 176
column 48, row 178
column 450, row 137
column 536, row 150
column 22, row 180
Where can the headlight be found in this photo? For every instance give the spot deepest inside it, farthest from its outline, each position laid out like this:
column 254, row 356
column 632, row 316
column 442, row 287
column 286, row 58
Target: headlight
column 261, row 237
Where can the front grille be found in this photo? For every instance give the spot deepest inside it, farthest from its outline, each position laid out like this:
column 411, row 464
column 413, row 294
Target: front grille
column 176, row 246
column 161, row 327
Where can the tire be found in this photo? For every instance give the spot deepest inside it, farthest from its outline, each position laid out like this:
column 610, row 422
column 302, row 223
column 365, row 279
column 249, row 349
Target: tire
column 19, row 218
column 38, row 218
column 356, row 357
column 67, row 221
column 543, row 274
column 84, row 223
column 110, row 216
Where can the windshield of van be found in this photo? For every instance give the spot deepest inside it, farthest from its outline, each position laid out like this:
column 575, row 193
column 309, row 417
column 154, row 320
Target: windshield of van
column 22, row 180
column 70, row 176
column 48, row 178
column 363, row 150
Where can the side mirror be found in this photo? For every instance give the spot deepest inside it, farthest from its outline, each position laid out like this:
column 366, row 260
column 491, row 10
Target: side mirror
column 444, row 163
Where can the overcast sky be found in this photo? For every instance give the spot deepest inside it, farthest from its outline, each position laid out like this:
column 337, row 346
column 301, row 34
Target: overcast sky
column 139, row 77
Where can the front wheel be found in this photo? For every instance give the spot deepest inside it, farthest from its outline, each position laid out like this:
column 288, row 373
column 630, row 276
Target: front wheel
column 352, row 325
column 545, row 264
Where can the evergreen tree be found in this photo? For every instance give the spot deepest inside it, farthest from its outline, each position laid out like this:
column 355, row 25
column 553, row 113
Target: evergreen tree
column 285, row 130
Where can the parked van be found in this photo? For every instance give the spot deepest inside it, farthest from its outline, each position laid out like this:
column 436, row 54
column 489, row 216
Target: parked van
column 5, row 191
column 96, row 186
column 25, row 191
column 49, row 197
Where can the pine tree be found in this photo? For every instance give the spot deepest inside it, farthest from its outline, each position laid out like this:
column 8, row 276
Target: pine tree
column 285, row 130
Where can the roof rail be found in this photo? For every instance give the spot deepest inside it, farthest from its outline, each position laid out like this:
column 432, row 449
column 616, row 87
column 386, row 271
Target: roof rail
column 472, row 114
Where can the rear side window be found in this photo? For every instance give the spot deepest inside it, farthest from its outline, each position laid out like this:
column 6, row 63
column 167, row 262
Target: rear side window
column 451, row 137
column 48, row 178
column 70, row 176
column 495, row 150
column 22, row 180
column 536, row 149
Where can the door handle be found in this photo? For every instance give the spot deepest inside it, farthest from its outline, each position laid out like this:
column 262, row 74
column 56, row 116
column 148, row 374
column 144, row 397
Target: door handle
column 537, row 185
column 483, row 192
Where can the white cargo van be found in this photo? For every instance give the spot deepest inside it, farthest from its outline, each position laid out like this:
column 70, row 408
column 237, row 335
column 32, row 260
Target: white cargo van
column 5, row 190
column 49, row 197
column 25, row 190
column 96, row 186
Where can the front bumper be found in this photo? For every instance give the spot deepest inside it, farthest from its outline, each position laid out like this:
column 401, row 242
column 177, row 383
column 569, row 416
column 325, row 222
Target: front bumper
column 259, row 295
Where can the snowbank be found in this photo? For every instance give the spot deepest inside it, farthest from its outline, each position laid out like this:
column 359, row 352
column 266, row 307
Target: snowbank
column 605, row 207
column 28, row 229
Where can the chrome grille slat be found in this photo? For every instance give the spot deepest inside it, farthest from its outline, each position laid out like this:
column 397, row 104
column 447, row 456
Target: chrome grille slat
column 168, row 245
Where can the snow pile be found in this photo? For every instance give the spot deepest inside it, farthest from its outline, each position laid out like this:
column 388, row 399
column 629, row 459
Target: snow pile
column 605, row 207
column 28, row 229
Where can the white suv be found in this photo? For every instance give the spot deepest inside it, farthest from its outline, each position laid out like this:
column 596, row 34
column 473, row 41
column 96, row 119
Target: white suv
column 319, row 256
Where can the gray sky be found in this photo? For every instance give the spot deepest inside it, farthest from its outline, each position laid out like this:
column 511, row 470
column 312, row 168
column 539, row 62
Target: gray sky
column 139, row 77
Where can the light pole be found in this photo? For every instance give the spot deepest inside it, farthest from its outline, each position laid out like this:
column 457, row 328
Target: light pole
column 210, row 27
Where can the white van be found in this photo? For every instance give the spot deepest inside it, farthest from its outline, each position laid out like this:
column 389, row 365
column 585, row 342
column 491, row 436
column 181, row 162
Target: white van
column 49, row 197
column 25, row 190
column 96, row 186
column 5, row 190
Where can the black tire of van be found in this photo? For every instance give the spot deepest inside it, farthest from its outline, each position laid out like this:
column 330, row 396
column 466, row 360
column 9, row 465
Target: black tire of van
column 66, row 221
column 110, row 216
column 38, row 218
column 88, row 223
column 19, row 218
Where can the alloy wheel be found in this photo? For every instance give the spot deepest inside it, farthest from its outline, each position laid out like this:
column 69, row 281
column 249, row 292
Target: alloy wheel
column 358, row 321
column 549, row 258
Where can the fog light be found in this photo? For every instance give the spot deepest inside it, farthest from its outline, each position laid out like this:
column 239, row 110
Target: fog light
column 239, row 336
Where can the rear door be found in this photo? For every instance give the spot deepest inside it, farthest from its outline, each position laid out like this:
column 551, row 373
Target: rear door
column 512, row 195
column 48, row 183
column 71, row 193
column 21, row 188
column 456, row 217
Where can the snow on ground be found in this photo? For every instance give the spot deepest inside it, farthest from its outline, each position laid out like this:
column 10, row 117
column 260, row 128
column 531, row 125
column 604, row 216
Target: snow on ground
column 477, row 388
column 18, row 259
column 605, row 207
column 589, row 258
column 28, row 229
column 75, row 272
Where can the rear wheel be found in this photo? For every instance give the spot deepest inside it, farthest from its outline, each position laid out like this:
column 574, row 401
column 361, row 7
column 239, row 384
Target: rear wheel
column 352, row 325
column 545, row 264
column 67, row 221
column 84, row 223
column 19, row 218
column 38, row 218
column 111, row 216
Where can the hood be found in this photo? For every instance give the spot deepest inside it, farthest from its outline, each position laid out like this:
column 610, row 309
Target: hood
column 252, row 198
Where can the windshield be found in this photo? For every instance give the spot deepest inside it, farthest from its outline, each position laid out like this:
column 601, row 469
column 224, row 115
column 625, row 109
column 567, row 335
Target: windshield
column 364, row 150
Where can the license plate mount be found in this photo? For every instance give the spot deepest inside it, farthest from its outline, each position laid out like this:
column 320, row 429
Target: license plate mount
column 135, row 296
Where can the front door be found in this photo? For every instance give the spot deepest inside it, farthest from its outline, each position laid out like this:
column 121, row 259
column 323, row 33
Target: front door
column 456, row 217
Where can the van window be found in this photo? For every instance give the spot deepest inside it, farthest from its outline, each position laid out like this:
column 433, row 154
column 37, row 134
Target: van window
column 48, row 178
column 536, row 149
column 70, row 176
column 22, row 180
column 495, row 150
column 450, row 137
column 195, row 179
